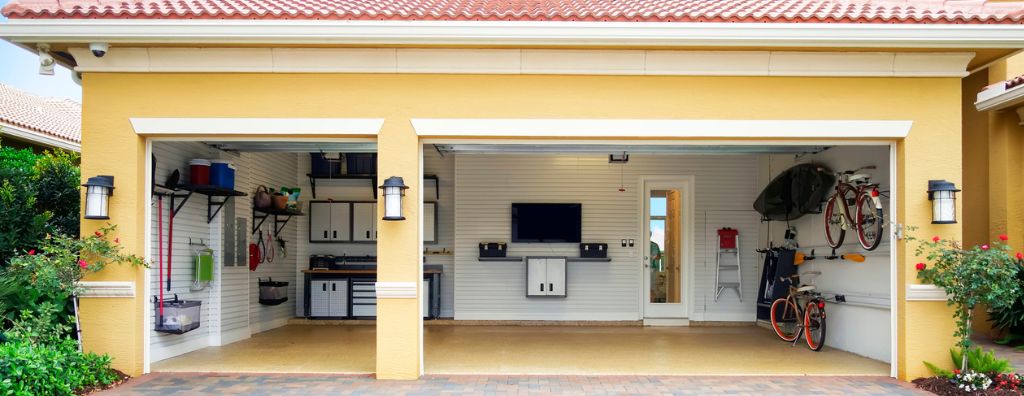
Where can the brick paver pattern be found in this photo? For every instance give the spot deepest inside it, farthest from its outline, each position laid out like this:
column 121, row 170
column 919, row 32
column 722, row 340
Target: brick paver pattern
column 314, row 384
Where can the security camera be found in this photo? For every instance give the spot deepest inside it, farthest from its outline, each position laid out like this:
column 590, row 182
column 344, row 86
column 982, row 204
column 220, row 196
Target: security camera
column 99, row 49
column 46, row 61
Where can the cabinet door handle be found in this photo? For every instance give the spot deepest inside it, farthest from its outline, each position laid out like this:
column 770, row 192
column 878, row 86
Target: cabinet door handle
column 335, row 234
column 325, row 287
column 367, row 234
column 541, row 287
column 334, row 287
column 551, row 287
column 325, row 234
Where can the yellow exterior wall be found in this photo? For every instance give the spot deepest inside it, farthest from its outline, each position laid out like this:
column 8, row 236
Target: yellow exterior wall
column 931, row 152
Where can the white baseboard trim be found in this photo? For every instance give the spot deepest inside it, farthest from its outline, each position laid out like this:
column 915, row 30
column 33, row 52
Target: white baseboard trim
column 584, row 316
column 166, row 352
column 666, row 322
column 725, row 317
column 232, row 336
column 259, row 327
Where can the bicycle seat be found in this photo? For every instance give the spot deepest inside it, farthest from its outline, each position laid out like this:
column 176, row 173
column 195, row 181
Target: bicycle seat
column 806, row 288
column 859, row 177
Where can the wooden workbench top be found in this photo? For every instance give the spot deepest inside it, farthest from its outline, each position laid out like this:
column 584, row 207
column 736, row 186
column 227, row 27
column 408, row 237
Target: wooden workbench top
column 361, row 271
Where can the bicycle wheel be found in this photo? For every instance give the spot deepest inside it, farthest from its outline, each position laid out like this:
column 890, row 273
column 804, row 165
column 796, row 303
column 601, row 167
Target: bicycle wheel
column 785, row 319
column 869, row 222
column 814, row 324
column 834, row 232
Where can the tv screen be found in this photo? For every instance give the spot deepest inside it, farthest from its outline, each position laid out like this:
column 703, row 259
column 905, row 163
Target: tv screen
column 546, row 222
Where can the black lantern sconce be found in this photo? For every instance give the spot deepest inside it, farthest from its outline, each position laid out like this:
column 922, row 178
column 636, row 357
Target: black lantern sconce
column 98, row 190
column 394, row 189
column 943, row 196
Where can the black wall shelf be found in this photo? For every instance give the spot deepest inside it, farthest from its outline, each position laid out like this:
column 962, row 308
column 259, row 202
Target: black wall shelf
column 568, row 259
column 213, row 206
column 313, row 177
column 281, row 217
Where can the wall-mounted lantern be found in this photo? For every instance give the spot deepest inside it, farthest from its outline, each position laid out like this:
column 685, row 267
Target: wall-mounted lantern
column 97, row 193
column 394, row 189
column 943, row 196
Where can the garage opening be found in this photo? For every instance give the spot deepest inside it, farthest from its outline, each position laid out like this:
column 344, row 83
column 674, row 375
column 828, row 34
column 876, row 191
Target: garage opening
column 236, row 230
column 613, row 259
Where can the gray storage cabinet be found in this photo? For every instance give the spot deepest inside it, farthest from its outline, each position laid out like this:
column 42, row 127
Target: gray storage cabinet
column 545, row 276
column 328, row 298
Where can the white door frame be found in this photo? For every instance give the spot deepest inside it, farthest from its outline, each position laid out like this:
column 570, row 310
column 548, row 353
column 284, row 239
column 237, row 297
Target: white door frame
column 688, row 183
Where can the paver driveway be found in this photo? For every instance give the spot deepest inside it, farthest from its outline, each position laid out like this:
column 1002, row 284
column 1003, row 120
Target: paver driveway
column 315, row 384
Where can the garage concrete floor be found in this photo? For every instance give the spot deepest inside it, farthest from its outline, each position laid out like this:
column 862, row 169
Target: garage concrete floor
column 576, row 350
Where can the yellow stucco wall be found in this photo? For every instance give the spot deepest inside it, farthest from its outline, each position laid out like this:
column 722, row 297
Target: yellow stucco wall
column 931, row 152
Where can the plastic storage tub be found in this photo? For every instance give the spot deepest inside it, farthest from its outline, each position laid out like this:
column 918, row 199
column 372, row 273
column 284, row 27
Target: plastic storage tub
column 222, row 174
column 321, row 166
column 179, row 317
column 361, row 163
column 199, row 172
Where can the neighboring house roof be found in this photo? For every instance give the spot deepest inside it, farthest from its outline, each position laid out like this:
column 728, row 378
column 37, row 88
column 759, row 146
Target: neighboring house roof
column 741, row 11
column 1015, row 82
column 47, row 121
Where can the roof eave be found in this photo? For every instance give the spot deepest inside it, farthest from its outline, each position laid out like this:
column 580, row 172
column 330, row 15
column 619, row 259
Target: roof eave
column 584, row 34
column 39, row 138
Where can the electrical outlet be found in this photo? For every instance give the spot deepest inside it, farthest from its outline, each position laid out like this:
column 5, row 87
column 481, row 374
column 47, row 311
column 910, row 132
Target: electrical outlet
column 623, row 243
column 632, row 243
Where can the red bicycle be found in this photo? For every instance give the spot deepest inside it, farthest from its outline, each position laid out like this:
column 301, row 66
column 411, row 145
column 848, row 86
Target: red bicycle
column 868, row 219
column 802, row 311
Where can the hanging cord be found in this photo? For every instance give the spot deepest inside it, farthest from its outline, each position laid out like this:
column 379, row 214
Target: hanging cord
column 269, row 246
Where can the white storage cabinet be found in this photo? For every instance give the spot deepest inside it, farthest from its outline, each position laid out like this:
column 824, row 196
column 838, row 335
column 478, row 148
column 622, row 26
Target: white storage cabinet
column 364, row 221
column 545, row 276
column 330, row 222
column 328, row 298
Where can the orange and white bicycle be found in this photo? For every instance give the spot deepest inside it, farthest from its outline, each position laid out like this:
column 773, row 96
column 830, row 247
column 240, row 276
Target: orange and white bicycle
column 802, row 311
column 868, row 219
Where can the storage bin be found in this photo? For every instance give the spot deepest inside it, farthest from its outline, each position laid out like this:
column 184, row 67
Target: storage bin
column 321, row 166
column 492, row 249
column 594, row 250
column 727, row 238
column 179, row 317
column 361, row 163
column 272, row 293
column 222, row 174
column 199, row 172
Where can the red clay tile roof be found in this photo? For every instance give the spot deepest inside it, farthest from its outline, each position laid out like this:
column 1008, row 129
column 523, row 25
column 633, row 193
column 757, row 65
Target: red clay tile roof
column 753, row 11
column 51, row 117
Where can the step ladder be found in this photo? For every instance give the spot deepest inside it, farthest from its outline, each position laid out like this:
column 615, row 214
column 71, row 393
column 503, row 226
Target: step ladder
column 728, row 244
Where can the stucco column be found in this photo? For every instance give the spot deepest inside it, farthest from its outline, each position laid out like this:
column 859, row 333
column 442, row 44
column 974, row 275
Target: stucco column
column 399, row 258
column 931, row 151
column 114, row 325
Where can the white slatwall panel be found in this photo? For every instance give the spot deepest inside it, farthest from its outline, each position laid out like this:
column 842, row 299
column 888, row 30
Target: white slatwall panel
column 486, row 185
column 190, row 222
column 859, row 329
column 444, row 168
column 274, row 170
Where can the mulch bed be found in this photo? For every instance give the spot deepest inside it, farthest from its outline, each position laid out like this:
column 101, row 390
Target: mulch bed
column 122, row 378
column 942, row 386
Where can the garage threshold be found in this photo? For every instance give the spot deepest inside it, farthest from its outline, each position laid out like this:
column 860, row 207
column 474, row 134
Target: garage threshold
column 530, row 350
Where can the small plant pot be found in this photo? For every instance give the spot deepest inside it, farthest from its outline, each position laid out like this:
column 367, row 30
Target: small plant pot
column 280, row 201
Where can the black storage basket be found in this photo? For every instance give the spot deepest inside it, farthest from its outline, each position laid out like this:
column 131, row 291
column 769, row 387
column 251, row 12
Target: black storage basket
column 594, row 250
column 179, row 316
column 272, row 293
column 493, row 249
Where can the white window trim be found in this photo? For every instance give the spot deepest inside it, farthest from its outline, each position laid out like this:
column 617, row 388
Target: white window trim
column 665, row 129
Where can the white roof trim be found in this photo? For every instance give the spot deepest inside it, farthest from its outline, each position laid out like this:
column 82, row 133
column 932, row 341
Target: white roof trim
column 634, row 128
column 192, row 31
column 523, row 61
column 38, row 137
column 257, row 126
column 997, row 97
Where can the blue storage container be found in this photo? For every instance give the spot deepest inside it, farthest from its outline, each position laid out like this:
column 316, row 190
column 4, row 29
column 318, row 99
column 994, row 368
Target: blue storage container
column 222, row 174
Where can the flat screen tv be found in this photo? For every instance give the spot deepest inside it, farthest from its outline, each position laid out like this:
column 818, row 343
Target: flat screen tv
column 547, row 222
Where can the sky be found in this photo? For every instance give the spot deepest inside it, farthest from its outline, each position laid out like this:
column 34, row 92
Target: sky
column 20, row 69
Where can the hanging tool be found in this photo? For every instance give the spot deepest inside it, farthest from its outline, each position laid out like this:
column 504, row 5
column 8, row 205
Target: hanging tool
column 172, row 183
column 855, row 257
column 262, row 247
column 254, row 256
column 268, row 247
column 800, row 257
column 283, row 245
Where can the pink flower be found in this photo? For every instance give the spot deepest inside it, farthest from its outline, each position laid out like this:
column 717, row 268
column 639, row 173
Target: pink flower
column 920, row 266
column 33, row 252
column 936, row 238
column 984, row 247
column 1003, row 237
column 83, row 264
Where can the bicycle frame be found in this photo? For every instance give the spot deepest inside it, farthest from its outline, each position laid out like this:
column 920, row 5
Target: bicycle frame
column 794, row 299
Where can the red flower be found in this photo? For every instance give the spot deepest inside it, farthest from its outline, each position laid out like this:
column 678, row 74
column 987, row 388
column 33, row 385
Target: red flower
column 33, row 252
column 117, row 240
column 920, row 266
column 936, row 238
column 1020, row 256
column 1003, row 237
column 956, row 371
column 99, row 234
column 82, row 264
column 984, row 247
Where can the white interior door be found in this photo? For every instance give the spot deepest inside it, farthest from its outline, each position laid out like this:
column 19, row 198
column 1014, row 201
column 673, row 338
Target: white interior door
column 666, row 247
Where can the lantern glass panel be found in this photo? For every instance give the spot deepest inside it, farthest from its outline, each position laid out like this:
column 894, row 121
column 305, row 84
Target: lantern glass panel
column 96, row 202
column 943, row 207
column 392, row 203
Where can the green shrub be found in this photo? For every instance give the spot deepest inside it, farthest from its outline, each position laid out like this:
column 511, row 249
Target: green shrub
column 51, row 369
column 978, row 360
column 21, row 223
column 57, row 180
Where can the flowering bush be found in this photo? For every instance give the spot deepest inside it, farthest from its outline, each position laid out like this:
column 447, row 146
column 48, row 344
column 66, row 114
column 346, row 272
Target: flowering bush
column 1010, row 382
column 985, row 274
column 971, row 381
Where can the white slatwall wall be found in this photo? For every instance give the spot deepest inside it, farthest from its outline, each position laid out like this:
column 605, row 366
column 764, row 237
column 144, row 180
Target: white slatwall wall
column 861, row 329
column 230, row 309
column 274, row 170
column 444, row 168
column 486, row 185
